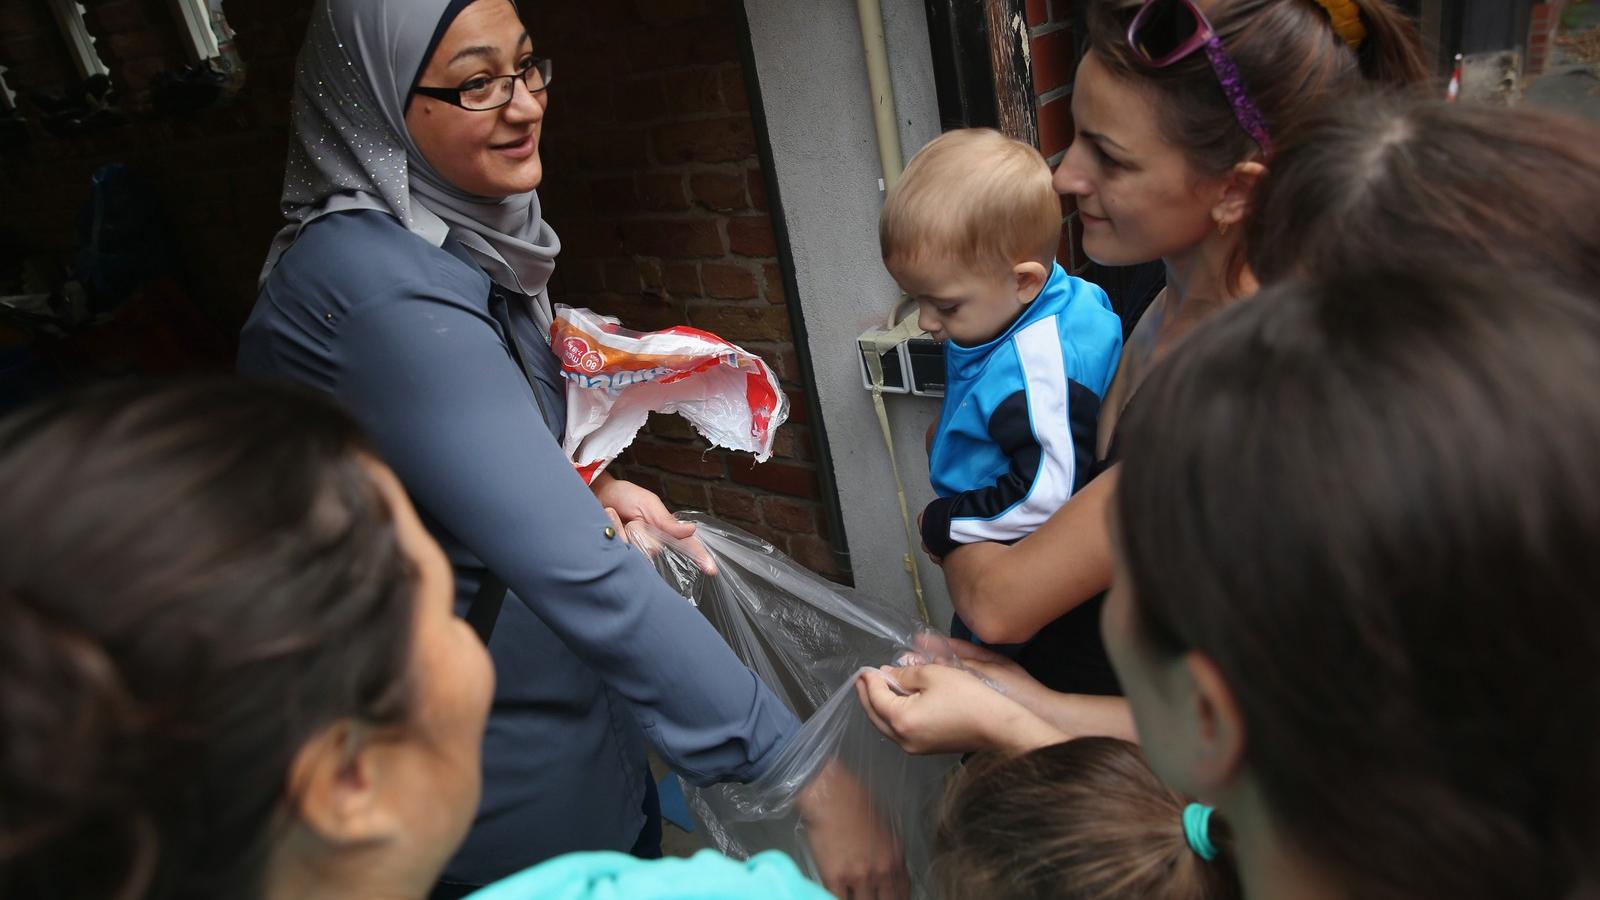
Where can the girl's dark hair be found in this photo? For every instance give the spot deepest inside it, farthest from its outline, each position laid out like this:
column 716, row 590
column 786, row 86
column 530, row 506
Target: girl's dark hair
column 1291, row 59
column 1404, row 183
column 1083, row 820
column 1373, row 501
column 194, row 580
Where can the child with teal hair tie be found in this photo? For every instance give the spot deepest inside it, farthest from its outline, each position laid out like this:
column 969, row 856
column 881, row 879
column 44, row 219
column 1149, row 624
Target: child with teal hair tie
column 1083, row 820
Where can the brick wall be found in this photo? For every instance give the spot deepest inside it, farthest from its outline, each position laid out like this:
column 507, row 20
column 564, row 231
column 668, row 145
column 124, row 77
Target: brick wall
column 1544, row 21
column 1054, row 60
column 653, row 183
column 656, row 190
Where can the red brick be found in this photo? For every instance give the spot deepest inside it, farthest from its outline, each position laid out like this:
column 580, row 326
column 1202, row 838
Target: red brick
column 591, row 239
column 1052, row 60
column 793, row 442
column 734, row 92
column 786, row 360
column 728, row 282
column 677, row 459
column 681, row 279
column 612, row 148
column 742, row 323
column 790, row 515
column 658, row 48
column 799, row 413
column 758, row 189
column 719, row 191
column 729, row 139
column 580, row 274
column 772, row 283
column 697, row 92
column 614, row 195
column 1055, row 126
column 1038, row 13
column 622, row 277
column 734, row 504
column 814, row 553
column 675, row 428
column 639, row 99
column 650, row 274
column 751, row 236
column 778, row 477
column 662, row 193
column 673, row 238
column 681, row 493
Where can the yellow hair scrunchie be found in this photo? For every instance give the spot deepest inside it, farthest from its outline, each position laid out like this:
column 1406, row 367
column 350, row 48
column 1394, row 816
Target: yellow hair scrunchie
column 1346, row 18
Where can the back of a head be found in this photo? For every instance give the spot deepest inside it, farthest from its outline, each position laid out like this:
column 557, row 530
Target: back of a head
column 975, row 196
column 193, row 579
column 1372, row 501
column 1402, row 183
column 1289, row 54
column 1083, row 820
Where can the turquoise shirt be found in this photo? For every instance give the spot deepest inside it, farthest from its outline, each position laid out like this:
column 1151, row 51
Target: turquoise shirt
column 708, row 875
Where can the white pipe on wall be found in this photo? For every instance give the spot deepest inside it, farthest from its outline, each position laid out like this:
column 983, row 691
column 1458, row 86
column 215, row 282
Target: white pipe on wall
column 883, row 114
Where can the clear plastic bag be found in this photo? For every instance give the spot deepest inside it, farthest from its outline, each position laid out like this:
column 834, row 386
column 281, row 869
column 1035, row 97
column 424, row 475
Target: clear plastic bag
column 809, row 640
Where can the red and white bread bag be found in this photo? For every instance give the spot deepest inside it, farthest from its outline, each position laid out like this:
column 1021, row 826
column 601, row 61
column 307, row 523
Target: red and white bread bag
column 617, row 377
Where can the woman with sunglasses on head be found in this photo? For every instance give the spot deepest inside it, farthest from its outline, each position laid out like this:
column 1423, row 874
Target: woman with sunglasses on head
column 1178, row 106
column 410, row 283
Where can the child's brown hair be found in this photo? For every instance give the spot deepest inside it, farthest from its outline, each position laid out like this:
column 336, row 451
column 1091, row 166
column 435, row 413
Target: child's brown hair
column 1083, row 820
column 976, row 196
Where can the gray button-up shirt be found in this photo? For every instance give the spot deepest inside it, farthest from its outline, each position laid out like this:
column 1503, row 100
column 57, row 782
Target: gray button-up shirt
column 593, row 652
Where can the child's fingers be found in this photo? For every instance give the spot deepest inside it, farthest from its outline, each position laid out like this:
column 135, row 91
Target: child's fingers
column 869, row 701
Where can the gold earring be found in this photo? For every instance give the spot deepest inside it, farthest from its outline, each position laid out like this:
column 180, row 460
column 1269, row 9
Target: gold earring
column 1222, row 229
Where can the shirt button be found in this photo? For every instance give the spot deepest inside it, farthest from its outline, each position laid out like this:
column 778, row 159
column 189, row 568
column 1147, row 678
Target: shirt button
column 611, row 533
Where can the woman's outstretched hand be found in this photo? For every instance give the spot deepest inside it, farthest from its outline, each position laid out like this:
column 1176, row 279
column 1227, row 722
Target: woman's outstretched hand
column 859, row 856
column 626, row 502
column 942, row 709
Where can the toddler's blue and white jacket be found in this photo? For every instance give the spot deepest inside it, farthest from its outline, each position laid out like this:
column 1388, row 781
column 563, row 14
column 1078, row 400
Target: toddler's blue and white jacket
column 1016, row 436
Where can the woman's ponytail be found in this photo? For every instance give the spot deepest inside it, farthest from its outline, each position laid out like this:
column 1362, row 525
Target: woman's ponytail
column 1391, row 55
column 72, row 732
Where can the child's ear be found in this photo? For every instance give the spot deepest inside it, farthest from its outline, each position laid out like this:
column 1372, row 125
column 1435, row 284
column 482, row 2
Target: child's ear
column 335, row 790
column 1237, row 189
column 1031, row 277
column 1219, row 724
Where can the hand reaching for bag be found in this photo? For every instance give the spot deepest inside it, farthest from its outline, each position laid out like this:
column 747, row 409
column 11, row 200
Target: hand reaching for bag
column 942, row 709
column 626, row 502
column 859, row 856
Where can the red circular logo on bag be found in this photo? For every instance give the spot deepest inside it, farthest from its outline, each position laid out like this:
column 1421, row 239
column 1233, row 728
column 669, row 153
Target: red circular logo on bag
column 573, row 351
column 592, row 362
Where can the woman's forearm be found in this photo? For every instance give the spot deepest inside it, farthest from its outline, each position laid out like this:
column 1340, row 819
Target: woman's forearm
column 1084, row 715
column 1005, row 594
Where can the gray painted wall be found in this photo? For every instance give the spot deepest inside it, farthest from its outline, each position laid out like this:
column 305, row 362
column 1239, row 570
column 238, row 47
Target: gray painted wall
column 813, row 82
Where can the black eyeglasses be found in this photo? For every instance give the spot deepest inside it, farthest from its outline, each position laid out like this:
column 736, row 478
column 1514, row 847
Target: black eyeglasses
column 482, row 94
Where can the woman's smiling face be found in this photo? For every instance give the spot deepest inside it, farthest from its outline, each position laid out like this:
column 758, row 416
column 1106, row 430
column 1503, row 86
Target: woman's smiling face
column 489, row 153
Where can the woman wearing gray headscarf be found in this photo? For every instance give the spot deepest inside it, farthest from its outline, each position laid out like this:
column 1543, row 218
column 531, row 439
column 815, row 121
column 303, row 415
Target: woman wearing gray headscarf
column 410, row 283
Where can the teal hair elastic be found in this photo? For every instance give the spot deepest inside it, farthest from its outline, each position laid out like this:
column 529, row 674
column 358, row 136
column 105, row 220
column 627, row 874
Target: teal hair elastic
column 1197, row 828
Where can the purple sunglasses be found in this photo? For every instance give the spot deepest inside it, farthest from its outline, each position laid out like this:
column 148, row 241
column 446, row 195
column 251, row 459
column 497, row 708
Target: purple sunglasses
column 1184, row 39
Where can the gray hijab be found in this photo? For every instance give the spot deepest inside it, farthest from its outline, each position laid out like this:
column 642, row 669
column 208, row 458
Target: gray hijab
column 351, row 150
